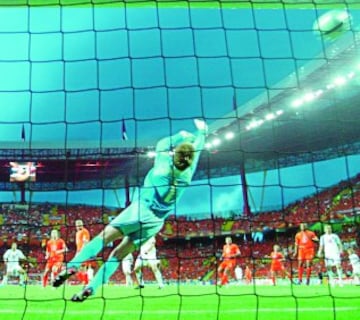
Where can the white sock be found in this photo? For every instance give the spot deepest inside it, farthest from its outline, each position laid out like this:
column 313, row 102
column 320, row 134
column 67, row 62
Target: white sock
column 22, row 278
column 139, row 277
column 331, row 277
column 158, row 277
column 128, row 280
column 339, row 272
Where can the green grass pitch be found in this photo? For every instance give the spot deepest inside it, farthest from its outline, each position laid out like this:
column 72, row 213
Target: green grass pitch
column 183, row 302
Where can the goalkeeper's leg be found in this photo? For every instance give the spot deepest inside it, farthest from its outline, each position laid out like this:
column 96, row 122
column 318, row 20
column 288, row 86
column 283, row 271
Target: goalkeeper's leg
column 107, row 269
column 89, row 251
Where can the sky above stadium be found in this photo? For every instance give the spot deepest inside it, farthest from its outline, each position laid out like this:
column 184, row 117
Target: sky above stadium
column 72, row 74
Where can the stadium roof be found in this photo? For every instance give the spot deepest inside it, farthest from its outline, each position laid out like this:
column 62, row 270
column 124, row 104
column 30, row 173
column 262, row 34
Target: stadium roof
column 313, row 116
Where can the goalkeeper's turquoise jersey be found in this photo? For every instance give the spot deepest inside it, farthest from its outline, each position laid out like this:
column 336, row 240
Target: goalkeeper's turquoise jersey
column 164, row 184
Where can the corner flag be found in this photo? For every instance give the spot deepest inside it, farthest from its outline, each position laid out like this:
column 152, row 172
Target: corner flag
column 124, row 134
column 23, row 137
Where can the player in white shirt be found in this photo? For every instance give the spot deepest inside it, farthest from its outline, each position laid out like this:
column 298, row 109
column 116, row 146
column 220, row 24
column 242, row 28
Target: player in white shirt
column 238, row 274
column 332, row 247
column 12, row 259
column 355, row 264
column 126, row 265
column 147, row 258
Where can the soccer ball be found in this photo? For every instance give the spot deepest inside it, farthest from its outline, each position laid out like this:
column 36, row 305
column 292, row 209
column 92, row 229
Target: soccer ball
column 332, row 24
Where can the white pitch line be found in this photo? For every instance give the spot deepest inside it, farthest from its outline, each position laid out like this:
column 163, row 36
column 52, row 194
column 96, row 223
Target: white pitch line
column 162, row 312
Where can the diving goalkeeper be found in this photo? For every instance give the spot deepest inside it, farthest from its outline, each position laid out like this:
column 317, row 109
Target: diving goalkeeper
column 174, row 166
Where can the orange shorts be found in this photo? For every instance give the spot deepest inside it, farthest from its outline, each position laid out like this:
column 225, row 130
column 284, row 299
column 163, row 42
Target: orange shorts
column 227, row 265
column 306, row 254
column 53, row 266
column 277, row 267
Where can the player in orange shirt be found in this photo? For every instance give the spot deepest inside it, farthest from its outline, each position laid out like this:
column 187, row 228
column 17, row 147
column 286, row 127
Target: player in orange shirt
column 55, row 249
column 230, row 252
column 305, row 251
column 277, row 265
column 82, row 237
column 248, row 275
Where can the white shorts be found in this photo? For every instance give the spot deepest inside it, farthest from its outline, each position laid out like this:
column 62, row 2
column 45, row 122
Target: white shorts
column 356, row 269
column 13, row 269
column 151, row 263
column 126, row 266
column 332, row 261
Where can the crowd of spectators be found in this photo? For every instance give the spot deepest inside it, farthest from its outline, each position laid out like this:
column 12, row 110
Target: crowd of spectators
column 189, row 249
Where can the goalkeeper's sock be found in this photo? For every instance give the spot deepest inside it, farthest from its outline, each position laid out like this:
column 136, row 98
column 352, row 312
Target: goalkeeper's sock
column 104, row 273
column 89, row 251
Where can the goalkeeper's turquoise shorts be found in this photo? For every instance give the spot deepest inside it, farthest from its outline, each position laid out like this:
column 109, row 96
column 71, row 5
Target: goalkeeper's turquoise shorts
column 139, row 223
